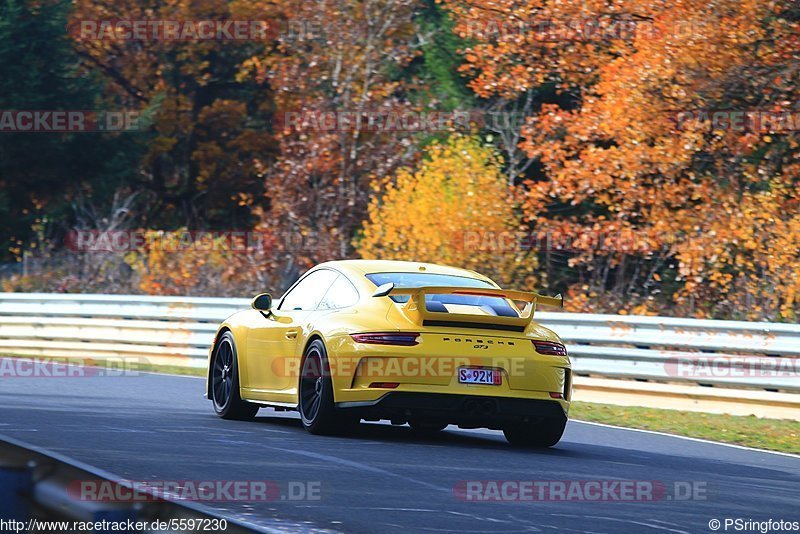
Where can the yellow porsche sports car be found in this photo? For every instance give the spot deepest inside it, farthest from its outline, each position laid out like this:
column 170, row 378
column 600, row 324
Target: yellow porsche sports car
column 408, row 342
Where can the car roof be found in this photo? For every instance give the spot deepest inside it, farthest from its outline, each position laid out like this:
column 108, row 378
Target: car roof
column 360, row 268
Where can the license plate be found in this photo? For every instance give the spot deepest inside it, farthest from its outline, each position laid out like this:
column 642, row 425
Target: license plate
column 473, row 375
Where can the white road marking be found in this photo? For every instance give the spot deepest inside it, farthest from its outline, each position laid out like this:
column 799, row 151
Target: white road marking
column 700, row 440
column 628, row 521
column 359, row 466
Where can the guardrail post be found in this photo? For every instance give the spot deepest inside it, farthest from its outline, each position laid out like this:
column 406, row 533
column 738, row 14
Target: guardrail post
column 16, row 482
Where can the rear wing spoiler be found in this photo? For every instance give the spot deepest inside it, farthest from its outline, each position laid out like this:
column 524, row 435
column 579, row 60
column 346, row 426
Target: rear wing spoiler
column 415, row 307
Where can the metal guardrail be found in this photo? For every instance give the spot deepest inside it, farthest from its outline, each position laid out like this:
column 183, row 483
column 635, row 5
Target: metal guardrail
column 179, row 330
column 706, row 352
column 162, row 330
column 40, row 492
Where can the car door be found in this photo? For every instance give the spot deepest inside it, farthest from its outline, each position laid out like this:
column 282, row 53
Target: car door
column 273, row 353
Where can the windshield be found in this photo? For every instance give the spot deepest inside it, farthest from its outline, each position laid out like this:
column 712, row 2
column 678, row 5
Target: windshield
column 440, row 303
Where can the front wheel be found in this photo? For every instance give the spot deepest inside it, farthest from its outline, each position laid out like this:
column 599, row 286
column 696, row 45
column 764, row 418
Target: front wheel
column 544, row 434
column 228, row 404
column 317, row 409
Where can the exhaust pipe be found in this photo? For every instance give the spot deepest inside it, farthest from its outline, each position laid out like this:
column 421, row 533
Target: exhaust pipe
column 471, row 407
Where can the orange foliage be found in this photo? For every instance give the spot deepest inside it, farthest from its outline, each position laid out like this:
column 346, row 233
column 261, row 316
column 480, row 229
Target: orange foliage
column 618, row 154
column 205, row 265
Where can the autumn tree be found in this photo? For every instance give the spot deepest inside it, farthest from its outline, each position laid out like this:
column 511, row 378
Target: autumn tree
column 337, row 57
column 619, row 157
column 184, row 263
column 42, row 173
column 455, row 208
column 206, row 130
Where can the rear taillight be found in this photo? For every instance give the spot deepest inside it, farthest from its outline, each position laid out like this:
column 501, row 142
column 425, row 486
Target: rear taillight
column 550, row 348
column 384, row 385
column 406, row 339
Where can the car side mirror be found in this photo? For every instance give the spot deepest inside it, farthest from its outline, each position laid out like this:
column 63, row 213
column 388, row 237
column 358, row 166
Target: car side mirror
column 262, row 302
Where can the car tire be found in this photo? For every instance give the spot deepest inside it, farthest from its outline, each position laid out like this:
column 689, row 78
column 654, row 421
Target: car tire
column 224, row 377
column 544, row 434
column 318, row 411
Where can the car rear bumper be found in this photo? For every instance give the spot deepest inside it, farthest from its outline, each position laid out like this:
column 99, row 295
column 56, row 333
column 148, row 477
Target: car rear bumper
column 468, row 411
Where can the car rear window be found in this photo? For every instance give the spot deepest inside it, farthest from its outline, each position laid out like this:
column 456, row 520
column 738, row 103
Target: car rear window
column 436, row 303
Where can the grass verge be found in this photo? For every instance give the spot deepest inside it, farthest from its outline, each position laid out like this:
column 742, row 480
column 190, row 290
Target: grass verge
column 771, row 434
column 164, row 369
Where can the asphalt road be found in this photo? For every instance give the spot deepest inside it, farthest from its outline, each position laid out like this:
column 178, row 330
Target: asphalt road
column 388, row 479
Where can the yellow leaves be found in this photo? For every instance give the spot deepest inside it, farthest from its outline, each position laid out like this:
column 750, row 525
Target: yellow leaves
column 455, row 208
column 750, row 257
column 175, row 263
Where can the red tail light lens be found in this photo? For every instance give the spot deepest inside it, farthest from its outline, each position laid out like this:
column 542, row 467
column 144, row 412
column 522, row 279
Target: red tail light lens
column 549, row 348
column 406, row 339
column 384, row 385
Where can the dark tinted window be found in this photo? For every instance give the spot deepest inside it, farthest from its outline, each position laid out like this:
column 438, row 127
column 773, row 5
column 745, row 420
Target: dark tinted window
column 436, row 303
column 425, row 279
column 307, row 294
